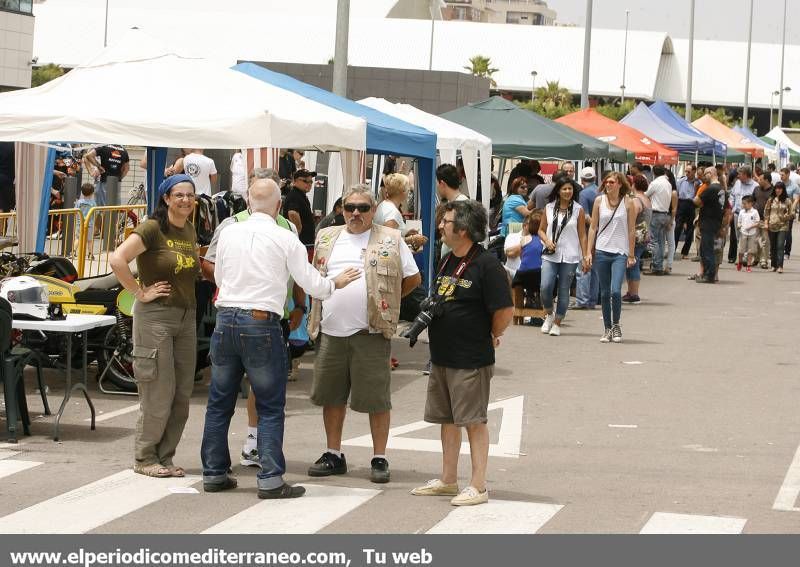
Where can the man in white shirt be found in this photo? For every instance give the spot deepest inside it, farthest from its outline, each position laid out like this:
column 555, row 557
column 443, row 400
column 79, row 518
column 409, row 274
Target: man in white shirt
column 745, row 185
column 660, row 193
column 202, row 171
column 254, row 260
column 357, row 324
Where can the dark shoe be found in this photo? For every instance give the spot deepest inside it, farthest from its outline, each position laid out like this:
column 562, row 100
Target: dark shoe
column 703, row 280
column 380, row 470
column 227, row 484
column 327, row 465
column 657, row 273
column 285, row 491
column 635, row 300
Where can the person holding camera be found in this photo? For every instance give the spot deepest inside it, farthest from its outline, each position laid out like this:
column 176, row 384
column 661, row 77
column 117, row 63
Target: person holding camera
column 471, row 308
column 563, row 236
column 357, row 324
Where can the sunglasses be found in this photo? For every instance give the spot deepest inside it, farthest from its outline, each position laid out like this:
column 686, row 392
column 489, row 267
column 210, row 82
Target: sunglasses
column 361, row 207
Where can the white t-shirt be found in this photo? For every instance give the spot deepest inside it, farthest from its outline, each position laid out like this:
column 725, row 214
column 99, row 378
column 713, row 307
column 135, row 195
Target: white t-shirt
column 387, row 211
column 748, row 221
column 345, row 312
column 238, row 175
column 199, row 168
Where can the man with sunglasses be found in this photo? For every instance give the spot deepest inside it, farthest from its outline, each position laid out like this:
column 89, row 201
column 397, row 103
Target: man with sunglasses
column 357, row 324
column 297, row 207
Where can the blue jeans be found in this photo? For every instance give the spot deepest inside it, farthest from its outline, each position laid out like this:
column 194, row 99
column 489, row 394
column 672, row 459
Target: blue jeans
column 658, row 228
column 242, row 344
column 611, row 273
column 587, row 288
column 100, row 193
column 634, row 273
column 564, row 272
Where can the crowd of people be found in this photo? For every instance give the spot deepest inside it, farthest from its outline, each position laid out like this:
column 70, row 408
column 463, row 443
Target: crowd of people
column 264, row 261
column 563, row 239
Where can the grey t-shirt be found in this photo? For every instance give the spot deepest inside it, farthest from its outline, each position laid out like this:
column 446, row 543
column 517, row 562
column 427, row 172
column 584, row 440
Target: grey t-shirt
column 540, row 195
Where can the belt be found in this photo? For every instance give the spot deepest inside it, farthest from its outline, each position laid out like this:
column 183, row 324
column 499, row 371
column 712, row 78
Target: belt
column 687, row 199
column 661, row 212
column 257, row 314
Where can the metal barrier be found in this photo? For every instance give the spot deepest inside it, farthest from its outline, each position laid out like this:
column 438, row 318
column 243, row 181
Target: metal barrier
column 8, row 232
column 63, row 232
column 103, row 230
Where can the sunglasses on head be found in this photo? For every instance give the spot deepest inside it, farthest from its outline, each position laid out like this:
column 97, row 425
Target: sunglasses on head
column 362, row 207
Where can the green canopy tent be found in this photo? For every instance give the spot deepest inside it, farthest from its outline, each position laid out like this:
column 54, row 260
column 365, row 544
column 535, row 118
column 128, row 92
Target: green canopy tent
column 519, row 133
column 731, row 156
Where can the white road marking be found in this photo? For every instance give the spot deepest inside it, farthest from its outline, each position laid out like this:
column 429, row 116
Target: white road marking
column 497, row 517
column 623, row 426
column 6, row 454
column 509, row 438
column 320, row 506
column 790, row 489
column 13, row 466
column 92, row 505
column 632, row 362
column 668, row 523
column 113, row 414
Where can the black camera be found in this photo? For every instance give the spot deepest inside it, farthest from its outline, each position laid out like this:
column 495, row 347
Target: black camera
column 430, row 307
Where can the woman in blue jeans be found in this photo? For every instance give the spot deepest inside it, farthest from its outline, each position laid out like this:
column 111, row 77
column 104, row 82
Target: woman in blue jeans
column 563, row 236
column 611, row 236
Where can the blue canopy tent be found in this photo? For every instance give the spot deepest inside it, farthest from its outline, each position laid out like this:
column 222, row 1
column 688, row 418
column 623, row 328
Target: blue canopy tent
column 645, row 120
column 385, row 135
column 663, row 111
column 747, row 133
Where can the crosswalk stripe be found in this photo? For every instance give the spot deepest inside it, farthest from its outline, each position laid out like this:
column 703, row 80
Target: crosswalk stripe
column 12, row 466
column 669, row 523
column 497, row 517
column 320, row 506
column 92, row 505
column 6, row 454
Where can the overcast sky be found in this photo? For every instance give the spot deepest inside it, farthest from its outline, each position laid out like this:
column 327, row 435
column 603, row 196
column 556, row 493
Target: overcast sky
column 714, row 19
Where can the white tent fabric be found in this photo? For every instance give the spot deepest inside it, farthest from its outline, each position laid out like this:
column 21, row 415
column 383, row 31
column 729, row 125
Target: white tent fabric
column 344, row 170
column 32, row 159
column 141, row 92
column 450, row 139
column 782, row 139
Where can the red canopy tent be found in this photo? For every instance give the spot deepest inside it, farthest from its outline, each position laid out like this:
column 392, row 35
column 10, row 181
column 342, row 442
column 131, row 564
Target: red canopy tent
column 646, row 150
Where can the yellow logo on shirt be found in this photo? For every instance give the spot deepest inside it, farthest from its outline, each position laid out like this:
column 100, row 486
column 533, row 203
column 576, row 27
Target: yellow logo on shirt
column 183, row 262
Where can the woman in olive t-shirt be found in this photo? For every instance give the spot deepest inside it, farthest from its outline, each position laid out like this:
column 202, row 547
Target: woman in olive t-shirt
column 164, row 328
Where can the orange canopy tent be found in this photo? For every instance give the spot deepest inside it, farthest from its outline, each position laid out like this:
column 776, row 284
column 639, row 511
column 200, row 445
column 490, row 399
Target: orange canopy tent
column 645, row 150
column 717, row 130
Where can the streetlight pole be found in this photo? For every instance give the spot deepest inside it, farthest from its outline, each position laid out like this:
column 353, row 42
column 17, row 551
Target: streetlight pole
column 587, row 47
column 783, row 55
column 340, row 51
column 691, row 66
column 105, row 29
column 625, row 55
column 430, row 54
column 533, row 85
column 747, row 68
column 772, row 107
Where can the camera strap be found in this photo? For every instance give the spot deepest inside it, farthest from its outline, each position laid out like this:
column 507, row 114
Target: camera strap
column 460, row 269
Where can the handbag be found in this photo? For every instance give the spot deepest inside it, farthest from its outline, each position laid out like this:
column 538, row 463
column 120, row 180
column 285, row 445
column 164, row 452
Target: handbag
column 642, row 231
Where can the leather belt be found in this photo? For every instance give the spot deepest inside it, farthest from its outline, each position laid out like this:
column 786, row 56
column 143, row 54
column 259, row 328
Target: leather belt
column 264, row 315
column 661, row 212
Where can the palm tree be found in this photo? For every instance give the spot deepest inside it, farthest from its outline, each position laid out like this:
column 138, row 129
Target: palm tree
column 553, row 95
column 480, row 66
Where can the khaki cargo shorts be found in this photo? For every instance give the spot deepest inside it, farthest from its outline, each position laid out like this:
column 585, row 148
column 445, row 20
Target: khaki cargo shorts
column 354, row 367
column 458, row 396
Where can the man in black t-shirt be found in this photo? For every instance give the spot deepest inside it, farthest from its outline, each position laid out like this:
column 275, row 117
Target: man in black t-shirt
column 475, row 308
column 297, row 208
column 113, row 161
column 710, row 202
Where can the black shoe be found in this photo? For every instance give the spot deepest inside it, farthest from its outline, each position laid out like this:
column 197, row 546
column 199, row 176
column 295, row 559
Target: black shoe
column 380, row 470
column 327, row 465
column 285, row 491
column 703, row 280
column 226, row 484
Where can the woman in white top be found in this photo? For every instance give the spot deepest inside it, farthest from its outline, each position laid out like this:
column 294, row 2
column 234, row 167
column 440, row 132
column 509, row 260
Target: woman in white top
column 395, row 192
column 563, row 235
column 611, row 233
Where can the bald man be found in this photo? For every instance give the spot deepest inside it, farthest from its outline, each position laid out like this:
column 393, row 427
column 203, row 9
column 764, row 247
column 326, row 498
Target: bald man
column 253, row 264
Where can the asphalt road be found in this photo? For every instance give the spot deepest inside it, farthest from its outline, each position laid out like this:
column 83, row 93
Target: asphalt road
column 689, row 425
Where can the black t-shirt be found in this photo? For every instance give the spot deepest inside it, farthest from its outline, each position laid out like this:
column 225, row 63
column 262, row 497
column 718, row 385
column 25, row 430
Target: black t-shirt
column 296, row 200
column 286, row 166
column 112, row 158
column 461, row 336
column 6, row 163
column 711, row 208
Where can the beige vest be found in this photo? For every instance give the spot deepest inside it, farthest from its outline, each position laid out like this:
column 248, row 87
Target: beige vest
column 383, row 269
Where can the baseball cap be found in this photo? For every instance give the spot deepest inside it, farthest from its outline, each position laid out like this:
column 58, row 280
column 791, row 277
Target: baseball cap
column 587, row 173
column 303, row 173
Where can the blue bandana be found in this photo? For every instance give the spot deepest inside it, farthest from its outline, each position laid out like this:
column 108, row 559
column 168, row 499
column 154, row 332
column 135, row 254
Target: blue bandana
column 171, row 182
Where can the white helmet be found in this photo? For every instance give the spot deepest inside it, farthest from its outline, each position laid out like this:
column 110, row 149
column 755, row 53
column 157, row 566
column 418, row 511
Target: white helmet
column 27, row 296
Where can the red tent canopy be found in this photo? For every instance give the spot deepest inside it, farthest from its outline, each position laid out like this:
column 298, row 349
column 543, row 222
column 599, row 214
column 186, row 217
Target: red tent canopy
column 646, row 150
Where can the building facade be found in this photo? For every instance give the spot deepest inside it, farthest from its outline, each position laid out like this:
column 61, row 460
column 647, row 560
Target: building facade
column 525, row 12
column 16, row 44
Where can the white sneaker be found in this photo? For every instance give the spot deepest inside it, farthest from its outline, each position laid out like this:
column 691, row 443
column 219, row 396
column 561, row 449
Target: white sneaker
column 606, row 338
column 470, row 496
column 555, row 330
column 548, row 323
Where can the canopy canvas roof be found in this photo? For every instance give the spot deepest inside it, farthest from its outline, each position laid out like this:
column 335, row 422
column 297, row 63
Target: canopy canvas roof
column 780, row 137
column 719, row 131
column 650, row 124
column 663, row 111
column 519, row 133
column 645, row 149
column 769, row 149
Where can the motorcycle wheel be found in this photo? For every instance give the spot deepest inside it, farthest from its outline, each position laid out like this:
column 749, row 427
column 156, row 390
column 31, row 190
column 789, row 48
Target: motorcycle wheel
column 120, row 373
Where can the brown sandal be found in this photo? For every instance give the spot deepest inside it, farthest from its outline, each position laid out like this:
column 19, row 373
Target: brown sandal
column 155, row 470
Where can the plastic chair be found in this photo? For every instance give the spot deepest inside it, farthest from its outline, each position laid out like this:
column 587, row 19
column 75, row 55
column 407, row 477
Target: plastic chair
column 12, row 366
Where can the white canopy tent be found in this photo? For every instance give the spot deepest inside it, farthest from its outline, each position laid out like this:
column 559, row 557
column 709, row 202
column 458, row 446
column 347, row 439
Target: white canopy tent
column 450, row 139
column 781, row 139
column 141, row 92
